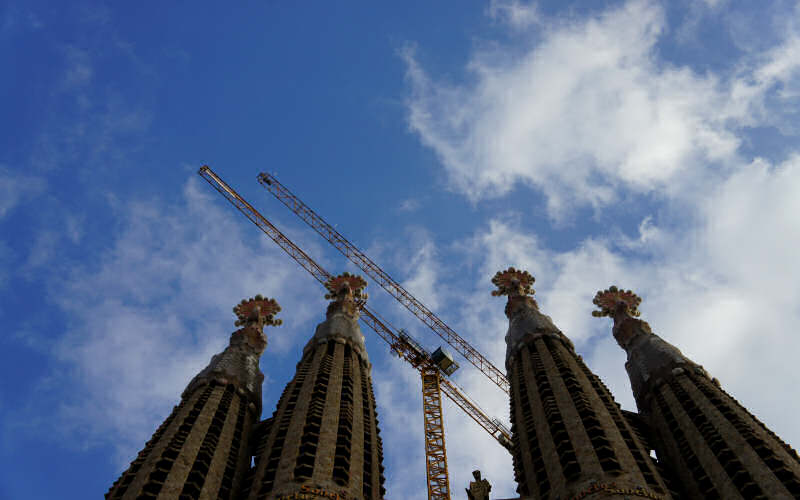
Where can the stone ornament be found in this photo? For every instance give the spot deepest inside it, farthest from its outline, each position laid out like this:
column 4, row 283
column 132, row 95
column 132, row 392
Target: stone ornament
column 346, row 286
column 513, row 282
column 614, row 302
column 479, row 488
column 346, row 293
column 518, row 286
column 257, row 311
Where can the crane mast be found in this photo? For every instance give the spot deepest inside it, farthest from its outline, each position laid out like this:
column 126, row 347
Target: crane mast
column 366, row 264
column 435, row 452
column 433, row 384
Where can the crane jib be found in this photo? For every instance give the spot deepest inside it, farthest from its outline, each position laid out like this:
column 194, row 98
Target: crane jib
column 316, row 222
column 433, row 373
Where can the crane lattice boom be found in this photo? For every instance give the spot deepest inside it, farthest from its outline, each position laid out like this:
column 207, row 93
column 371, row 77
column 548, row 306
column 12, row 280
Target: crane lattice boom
column 383, row 279
column 399, row 343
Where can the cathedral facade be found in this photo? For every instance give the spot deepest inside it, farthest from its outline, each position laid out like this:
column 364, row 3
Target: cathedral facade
column 689, row 439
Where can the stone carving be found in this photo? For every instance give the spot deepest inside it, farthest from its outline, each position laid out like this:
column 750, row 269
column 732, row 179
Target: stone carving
column 257, row 311
column 238, row 363
column 346, row 292
column 526, row 322
column 479, row 488
column 622, row 307
column 518, row 286
column 614, row 302
column 513, row 282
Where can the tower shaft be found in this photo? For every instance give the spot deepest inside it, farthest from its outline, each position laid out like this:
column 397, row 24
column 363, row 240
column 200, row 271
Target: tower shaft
column 570, row 435
column 200, row 451
column 323, row 434
column 570, row 438
column 717, row 448
column 323, row 438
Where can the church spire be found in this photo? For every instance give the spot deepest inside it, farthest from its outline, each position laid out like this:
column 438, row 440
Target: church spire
column 517, row 285
column 201, row 448
column 346, row 293
column 238, row 364
column 714, row 445
column 570, row 438
column 323, row 438
column 257, row 313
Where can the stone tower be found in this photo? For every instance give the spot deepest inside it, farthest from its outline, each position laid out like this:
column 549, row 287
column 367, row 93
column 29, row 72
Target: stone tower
column 570, row 438
column 715, row 446
column 200, row 450
column 323, row 439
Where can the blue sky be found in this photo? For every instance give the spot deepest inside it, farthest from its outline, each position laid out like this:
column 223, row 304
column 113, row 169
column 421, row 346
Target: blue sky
column 637, row 143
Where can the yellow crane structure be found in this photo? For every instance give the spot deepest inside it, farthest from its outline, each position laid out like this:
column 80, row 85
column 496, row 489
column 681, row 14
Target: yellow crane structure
column 394, row 288
column 433, row 367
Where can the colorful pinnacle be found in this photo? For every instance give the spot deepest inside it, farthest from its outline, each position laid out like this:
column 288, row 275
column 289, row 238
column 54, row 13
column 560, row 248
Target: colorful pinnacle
column 345, row 285
column 258, row 310
column 513, row 282
column 610, row 300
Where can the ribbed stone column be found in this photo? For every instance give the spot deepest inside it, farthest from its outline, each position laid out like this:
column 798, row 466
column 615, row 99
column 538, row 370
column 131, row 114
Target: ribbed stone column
column 200, row 450
column 323, row 439
column 571, row 439
column 715, row 446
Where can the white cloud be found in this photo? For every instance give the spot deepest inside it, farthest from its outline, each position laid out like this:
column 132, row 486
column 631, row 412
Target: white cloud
column 79, row 71
column 150, row 313
column 517, row 14
column 590, row 111
column 422, row 269
column 16, row 188
column 715, row 261
column 399, row 398
column 44, row 248
column 722, row 291
column 5, row 260
column 409, row 205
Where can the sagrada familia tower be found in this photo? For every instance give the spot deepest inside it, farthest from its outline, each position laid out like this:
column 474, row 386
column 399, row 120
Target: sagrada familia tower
column 322, row 441
column 571, row 440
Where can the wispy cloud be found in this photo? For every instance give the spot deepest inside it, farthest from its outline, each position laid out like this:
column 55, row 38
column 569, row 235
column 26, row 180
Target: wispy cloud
column 581, row 129
column 517, row 14
column 16, row 188
column 78, row 71
column 409, row 205
column 713, row 259
column 422, row 269
column 150, row 312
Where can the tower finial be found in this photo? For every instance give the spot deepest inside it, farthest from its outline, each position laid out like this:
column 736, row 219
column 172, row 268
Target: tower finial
column 615, row 302
column 518, row 285
column 513, row 282
column 346, row 293
column 257, row 311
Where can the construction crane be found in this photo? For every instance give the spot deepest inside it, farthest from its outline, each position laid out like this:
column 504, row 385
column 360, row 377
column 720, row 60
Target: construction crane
column 372, row 270
column 431, row 366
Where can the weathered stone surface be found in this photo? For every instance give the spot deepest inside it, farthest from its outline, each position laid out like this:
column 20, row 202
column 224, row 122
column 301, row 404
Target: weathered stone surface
column 479, row 488
column 237, row 364
column 570, row 438
column 201, row 450
column 715, row 447
column 324, row 437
